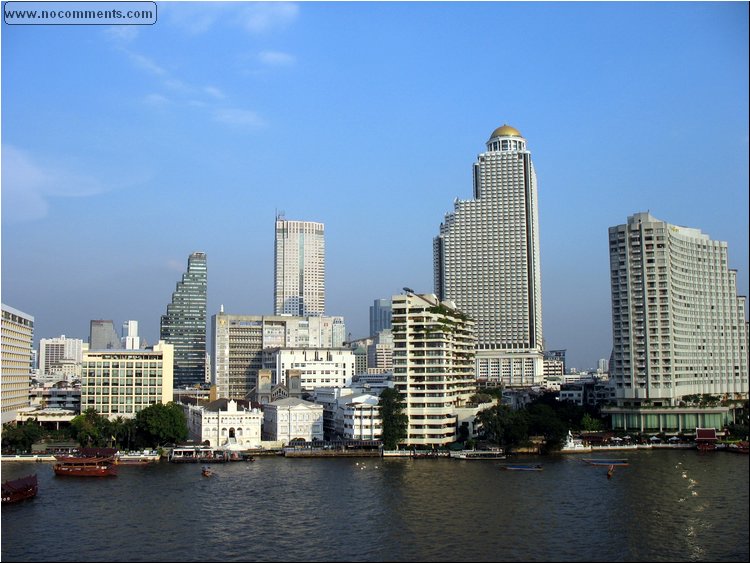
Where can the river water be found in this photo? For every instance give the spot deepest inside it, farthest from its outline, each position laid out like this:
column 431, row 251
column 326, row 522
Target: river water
column 667, row 505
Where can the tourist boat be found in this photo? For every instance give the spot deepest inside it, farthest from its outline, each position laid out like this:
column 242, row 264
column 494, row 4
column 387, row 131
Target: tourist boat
column 574, row 445
column 196, row 454
column 479, row 454
column 86, row 466
column 597, row 461
column 137, row 458
column 19, row 489
column 516, row 467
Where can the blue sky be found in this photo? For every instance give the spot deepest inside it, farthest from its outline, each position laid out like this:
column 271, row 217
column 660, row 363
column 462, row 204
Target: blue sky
column 126, row 148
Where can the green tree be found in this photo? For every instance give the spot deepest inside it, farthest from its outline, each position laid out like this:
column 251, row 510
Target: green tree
column 394, row 421
column 91, row 429
column 544, row 421
column 159, row 424
column 504, row 427
column 20, row 437
column 591, row 424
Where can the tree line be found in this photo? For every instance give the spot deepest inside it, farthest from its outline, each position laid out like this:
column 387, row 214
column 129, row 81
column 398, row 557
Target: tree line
column 152, row 427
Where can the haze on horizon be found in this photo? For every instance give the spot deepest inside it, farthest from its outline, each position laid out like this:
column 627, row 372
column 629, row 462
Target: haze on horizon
column 126, row 148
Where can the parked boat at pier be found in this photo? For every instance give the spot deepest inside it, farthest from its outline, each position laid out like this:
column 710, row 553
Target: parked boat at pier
column 478, row 454
column 85, row 466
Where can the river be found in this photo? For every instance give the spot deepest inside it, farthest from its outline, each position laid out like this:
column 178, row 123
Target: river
column 667, row 505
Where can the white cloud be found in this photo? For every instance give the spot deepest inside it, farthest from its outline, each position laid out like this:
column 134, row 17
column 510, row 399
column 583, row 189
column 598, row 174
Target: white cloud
column 156, row 100
column 261, row 17
column 28, row 185
column 276, row 58
column 239, row 117
column 146, row 63
column 122, row 33
column 215, row 92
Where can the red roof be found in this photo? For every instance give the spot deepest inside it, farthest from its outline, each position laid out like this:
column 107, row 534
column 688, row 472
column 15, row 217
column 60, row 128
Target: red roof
column 705, row 434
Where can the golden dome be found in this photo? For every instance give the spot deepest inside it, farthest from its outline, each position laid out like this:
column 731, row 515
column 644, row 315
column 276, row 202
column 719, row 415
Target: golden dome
column 506, row 131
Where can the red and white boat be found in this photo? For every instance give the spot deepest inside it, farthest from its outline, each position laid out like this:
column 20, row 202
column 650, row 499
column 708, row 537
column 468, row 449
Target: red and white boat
column 19, row 489
column 85, row 466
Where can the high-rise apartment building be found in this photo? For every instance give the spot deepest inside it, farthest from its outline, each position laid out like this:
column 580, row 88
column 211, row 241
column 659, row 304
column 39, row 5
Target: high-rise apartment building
column 678, row 324
column 54, row 353
column 239, row 341
column 299, row 268
column 15, row 350
column 433, row 365
column 486, row 260
column 184, row 325
column 130, row 339
column 380, row 316
column 103, row 336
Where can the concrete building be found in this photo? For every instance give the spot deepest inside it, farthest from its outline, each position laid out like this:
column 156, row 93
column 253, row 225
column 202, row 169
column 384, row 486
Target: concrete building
column 225, row 424
column 124, row 382
column 299, row 268
column 57, row 353
column 349, row 413
column 239, row 341
column 486, row 260
column 678, row 324
column 380, row 316
column 380, row 353
column 292, row 419
column 433, row 365
column 130, row 339
column 17, row 345
column 184, row 324
column 103, row 336
column 317, row 367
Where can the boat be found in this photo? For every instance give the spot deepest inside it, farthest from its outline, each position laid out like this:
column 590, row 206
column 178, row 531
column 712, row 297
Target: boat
column 137, row 458
column 517, row 467
column 17, row 490
column 479, row 454
column 596, row 461
column 198, row 454
column 85, row 466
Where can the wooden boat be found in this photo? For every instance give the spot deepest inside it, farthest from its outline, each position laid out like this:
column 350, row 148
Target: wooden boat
column 19, row 489
column 516, row 467
column 595, row 461
column 85, row 466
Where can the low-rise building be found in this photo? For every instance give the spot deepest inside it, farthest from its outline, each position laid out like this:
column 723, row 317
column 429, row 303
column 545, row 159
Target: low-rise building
column 225, row 423
column 292, row 419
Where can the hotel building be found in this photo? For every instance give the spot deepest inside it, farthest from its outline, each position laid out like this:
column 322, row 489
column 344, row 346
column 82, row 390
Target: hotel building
column 486, row 260
column 123, row 382
column 678, row 325
column 17, row 346
column 299, row 268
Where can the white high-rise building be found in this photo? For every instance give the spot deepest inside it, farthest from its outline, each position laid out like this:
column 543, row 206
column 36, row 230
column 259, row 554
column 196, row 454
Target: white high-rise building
column 54, row 351
column 678, row 324
column 130, row 339
column 299, row 269
column 486, row 260
column 433, row 365
column 16, row 345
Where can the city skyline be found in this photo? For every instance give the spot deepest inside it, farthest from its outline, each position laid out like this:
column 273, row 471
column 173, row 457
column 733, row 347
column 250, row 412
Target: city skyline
column 126, row 148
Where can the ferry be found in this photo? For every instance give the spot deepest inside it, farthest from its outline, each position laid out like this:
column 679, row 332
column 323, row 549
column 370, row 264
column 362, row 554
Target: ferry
column 19, row 489
column 85, row 466
column 137, row 458
column 198, row 454
column 479, row 454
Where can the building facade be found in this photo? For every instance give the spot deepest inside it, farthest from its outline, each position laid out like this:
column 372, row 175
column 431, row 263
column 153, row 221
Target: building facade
column 291, row 419
column 15, row 372
column 103, row 336
column 184, row 324
column 317, row 367
column 124, row 382
column 486, row 260
column 226, row 424
column 239, row 341
column 130, row 339
column 57, row 353
column 380, row 316
column 299, row 268
column 433, row 365
column 678, row 324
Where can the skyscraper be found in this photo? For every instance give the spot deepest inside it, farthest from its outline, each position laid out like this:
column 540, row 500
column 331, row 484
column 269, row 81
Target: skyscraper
column 486, row 260
column 184, row 325
column 299, row 268
column 103, row 336
column 678, row 324
column 380, row 316
column 16, row 345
